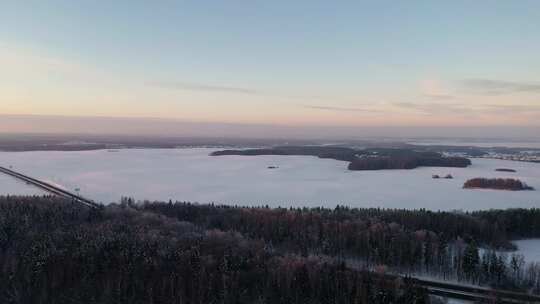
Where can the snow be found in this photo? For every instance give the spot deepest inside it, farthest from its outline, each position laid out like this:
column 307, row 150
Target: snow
column 455, row 301
column 9, row 185
column 193, row 175
column 530, row 249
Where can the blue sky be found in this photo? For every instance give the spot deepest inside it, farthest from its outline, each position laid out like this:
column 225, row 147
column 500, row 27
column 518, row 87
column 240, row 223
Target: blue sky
column 409, row 63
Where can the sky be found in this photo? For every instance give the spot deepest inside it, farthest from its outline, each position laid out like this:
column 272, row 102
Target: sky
column 353, row 64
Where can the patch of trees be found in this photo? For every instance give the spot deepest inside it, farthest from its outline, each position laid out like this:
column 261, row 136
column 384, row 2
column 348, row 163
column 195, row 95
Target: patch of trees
column 442, row 244
column 337, row 153
column 514, row 223
column 368, row 159
column 505, row 170
column 55, row 251
column 497, row 184
column 320, row 228
column 406, row 162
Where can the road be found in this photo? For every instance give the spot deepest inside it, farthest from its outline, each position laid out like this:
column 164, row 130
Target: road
column 50, row 188
column 455, row 291
column 476, row 294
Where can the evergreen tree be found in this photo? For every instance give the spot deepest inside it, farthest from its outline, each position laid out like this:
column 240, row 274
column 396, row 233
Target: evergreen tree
column 471, row 261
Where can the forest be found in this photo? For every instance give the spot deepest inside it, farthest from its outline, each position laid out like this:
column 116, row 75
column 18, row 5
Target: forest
column 511, row 184
column 439, row 244
column 337, row 153
column 55, row 251
column 407, row 162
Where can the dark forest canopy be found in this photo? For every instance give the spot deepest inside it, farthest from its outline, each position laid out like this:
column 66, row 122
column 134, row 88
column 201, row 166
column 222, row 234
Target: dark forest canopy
column 55, row 251
column 497, row 184
column 491, row 228
column 407, row 162
column 365, row 159
column 505, row 170
column 337, row 153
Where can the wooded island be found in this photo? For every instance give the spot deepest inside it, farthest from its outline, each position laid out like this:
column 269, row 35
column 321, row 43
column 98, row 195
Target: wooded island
column 365, row 159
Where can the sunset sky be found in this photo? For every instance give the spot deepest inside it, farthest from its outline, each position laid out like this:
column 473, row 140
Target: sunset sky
column 294, row 63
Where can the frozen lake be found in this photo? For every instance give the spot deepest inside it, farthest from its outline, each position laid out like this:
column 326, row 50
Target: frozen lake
column 192, row 175
column 530, row 249
column 9, row 185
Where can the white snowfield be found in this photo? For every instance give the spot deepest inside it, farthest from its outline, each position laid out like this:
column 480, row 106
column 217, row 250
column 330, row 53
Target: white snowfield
column 193, row 175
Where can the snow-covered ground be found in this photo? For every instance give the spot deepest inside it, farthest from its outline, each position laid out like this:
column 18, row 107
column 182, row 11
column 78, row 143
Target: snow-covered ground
column 192, row 175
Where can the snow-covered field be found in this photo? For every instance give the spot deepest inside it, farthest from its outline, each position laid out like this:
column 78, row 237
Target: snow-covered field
column 192, row 175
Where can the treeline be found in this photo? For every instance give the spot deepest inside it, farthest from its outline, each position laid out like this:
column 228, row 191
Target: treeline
column 516, row 223
column 337, row 153
column 406, row 162
column 55, row 251
column 441, row 244
column 497, row 184
column 493, row 228
column 365, row 159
